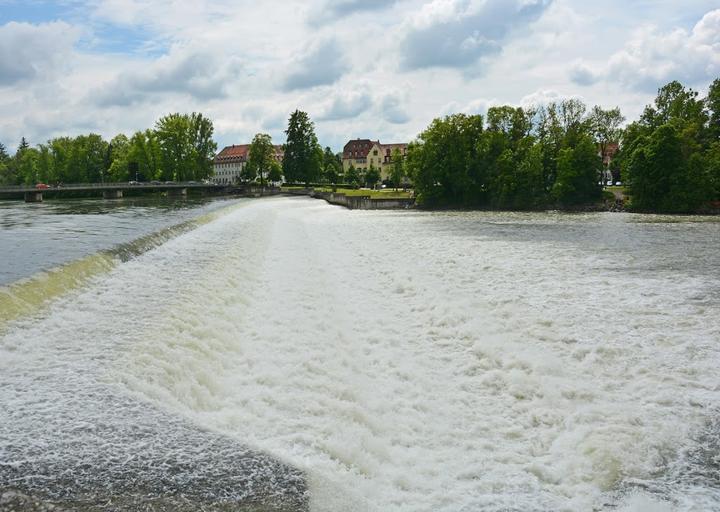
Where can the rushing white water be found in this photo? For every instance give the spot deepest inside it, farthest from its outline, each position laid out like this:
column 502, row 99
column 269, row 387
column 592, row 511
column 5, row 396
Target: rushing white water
column 403, row 361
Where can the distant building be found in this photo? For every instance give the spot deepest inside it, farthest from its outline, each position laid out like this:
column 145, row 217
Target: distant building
column 607, row 156
column 362, row 153
column 230, row 162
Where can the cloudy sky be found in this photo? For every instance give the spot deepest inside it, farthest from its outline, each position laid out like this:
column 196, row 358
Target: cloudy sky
column 361, row 68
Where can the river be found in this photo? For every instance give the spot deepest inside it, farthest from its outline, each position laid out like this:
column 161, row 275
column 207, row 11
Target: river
column 290, row 354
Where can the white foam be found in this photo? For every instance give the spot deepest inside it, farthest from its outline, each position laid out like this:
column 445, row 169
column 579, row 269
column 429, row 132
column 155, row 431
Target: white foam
column 419, row 361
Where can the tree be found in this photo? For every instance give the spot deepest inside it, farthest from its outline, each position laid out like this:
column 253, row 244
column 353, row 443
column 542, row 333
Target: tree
column 4, row 157
column 176, row 149
column 144, row 156
column 712, row 103
column 674, row 103
column 372, row 176
column 119, row 164
column 352, row 177
column 303, row 156
column 577, row 174
column 444, row 162
column 332, row 166
column 397, row 171
column 204, row 148
column 261, row 155
column 275, row 173
column 662, row 178
column 186, row 146
column 605, row 125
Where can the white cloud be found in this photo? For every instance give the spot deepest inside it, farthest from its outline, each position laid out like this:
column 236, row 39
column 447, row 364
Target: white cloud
column 456, row 33
column 184, row 71
column 33, row 52
column 347, row 104
column 322, row 65
column 654, row 57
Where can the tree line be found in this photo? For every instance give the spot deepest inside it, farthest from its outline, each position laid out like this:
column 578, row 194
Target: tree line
column 180, row 147
column 550, row 156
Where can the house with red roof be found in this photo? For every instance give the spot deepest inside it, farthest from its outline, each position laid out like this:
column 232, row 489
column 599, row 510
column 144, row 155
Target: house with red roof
column 230, row 162
column 364, row 153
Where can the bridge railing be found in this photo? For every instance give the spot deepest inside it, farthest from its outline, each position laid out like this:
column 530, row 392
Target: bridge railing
column 109, row 185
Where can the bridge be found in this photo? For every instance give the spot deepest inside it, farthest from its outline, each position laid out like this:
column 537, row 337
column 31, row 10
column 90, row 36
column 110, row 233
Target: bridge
column 34, row 194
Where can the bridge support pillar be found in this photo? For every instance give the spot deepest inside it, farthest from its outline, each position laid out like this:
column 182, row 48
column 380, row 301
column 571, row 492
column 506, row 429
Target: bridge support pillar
column 33, row 197
column 112, row 194
column 177, row 192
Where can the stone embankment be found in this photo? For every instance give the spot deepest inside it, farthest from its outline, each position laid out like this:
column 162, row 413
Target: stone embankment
column 356, row 202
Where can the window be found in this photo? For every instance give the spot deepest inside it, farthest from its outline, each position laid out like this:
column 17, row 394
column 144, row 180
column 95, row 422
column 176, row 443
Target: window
column 375, row 152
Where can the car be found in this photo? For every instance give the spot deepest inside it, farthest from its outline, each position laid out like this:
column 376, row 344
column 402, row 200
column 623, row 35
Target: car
column 133, row 183
column 41, row 186
column 155, row 182
column 192, row 182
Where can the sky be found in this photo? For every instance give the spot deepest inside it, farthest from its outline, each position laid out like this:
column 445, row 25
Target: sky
column 379, row 69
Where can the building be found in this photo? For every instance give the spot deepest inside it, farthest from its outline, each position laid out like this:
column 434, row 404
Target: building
column 230, row 162
column 363, row 153
column 607, row 156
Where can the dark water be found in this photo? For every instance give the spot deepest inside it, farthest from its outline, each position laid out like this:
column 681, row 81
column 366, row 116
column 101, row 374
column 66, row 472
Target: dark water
column 41, row 236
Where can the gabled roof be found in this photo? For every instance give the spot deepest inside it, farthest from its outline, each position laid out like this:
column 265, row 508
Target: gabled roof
column 358, row 148
column 234, row 153
column 240, row 153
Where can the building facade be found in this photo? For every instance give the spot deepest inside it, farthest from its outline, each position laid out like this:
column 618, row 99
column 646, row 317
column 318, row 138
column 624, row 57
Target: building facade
column 230, row 162
column 363, row 153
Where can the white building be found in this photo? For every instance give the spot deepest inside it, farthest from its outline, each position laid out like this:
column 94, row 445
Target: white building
column 230, row 162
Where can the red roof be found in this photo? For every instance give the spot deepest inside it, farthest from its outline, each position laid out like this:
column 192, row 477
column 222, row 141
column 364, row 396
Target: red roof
column 239, row 153
column 358, row 148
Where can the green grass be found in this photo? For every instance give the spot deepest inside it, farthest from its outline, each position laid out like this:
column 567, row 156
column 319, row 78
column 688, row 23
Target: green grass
column 387, row 193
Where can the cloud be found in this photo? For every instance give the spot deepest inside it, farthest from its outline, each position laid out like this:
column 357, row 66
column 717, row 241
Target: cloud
column 581, row 74
column 28, row 52
column 198, row 75
column 335, row 9
column 392, row 108
column 345, row 105
column 457, row 33
column 652, row 58
column 322, row 65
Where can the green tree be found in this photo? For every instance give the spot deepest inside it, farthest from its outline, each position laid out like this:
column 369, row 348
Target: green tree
column 352, row 177
column 712, row 103
column 444, row 162
column 204, row 148
column 372, row 176
column 606, row 126
column 144, row 156
column 176, row 149
column 275, row 173
column 332, row 166
column 397, row 170
column 661, row 178
column 119, row 162
column 303, row 156
column 261, row 155
column 577, row 174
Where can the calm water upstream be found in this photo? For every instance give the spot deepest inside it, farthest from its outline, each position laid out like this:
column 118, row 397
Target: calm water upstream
column 291, row 354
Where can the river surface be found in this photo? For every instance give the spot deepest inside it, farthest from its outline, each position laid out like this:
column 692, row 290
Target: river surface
column 296, row 355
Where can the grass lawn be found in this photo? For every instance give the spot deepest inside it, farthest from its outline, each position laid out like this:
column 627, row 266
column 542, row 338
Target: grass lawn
column 386, row 193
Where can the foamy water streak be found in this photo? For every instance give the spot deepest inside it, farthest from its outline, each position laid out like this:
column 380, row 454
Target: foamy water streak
column 415, row 361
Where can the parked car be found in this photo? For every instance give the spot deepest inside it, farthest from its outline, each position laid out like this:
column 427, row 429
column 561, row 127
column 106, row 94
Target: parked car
column 155, row 182
column 133, row 183
column 41, row 186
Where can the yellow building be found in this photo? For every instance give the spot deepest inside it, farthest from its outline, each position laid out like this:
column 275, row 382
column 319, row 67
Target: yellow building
column 363, row 153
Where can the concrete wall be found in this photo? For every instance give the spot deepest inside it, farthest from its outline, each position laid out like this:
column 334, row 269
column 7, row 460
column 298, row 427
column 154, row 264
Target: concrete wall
column 356, row 202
